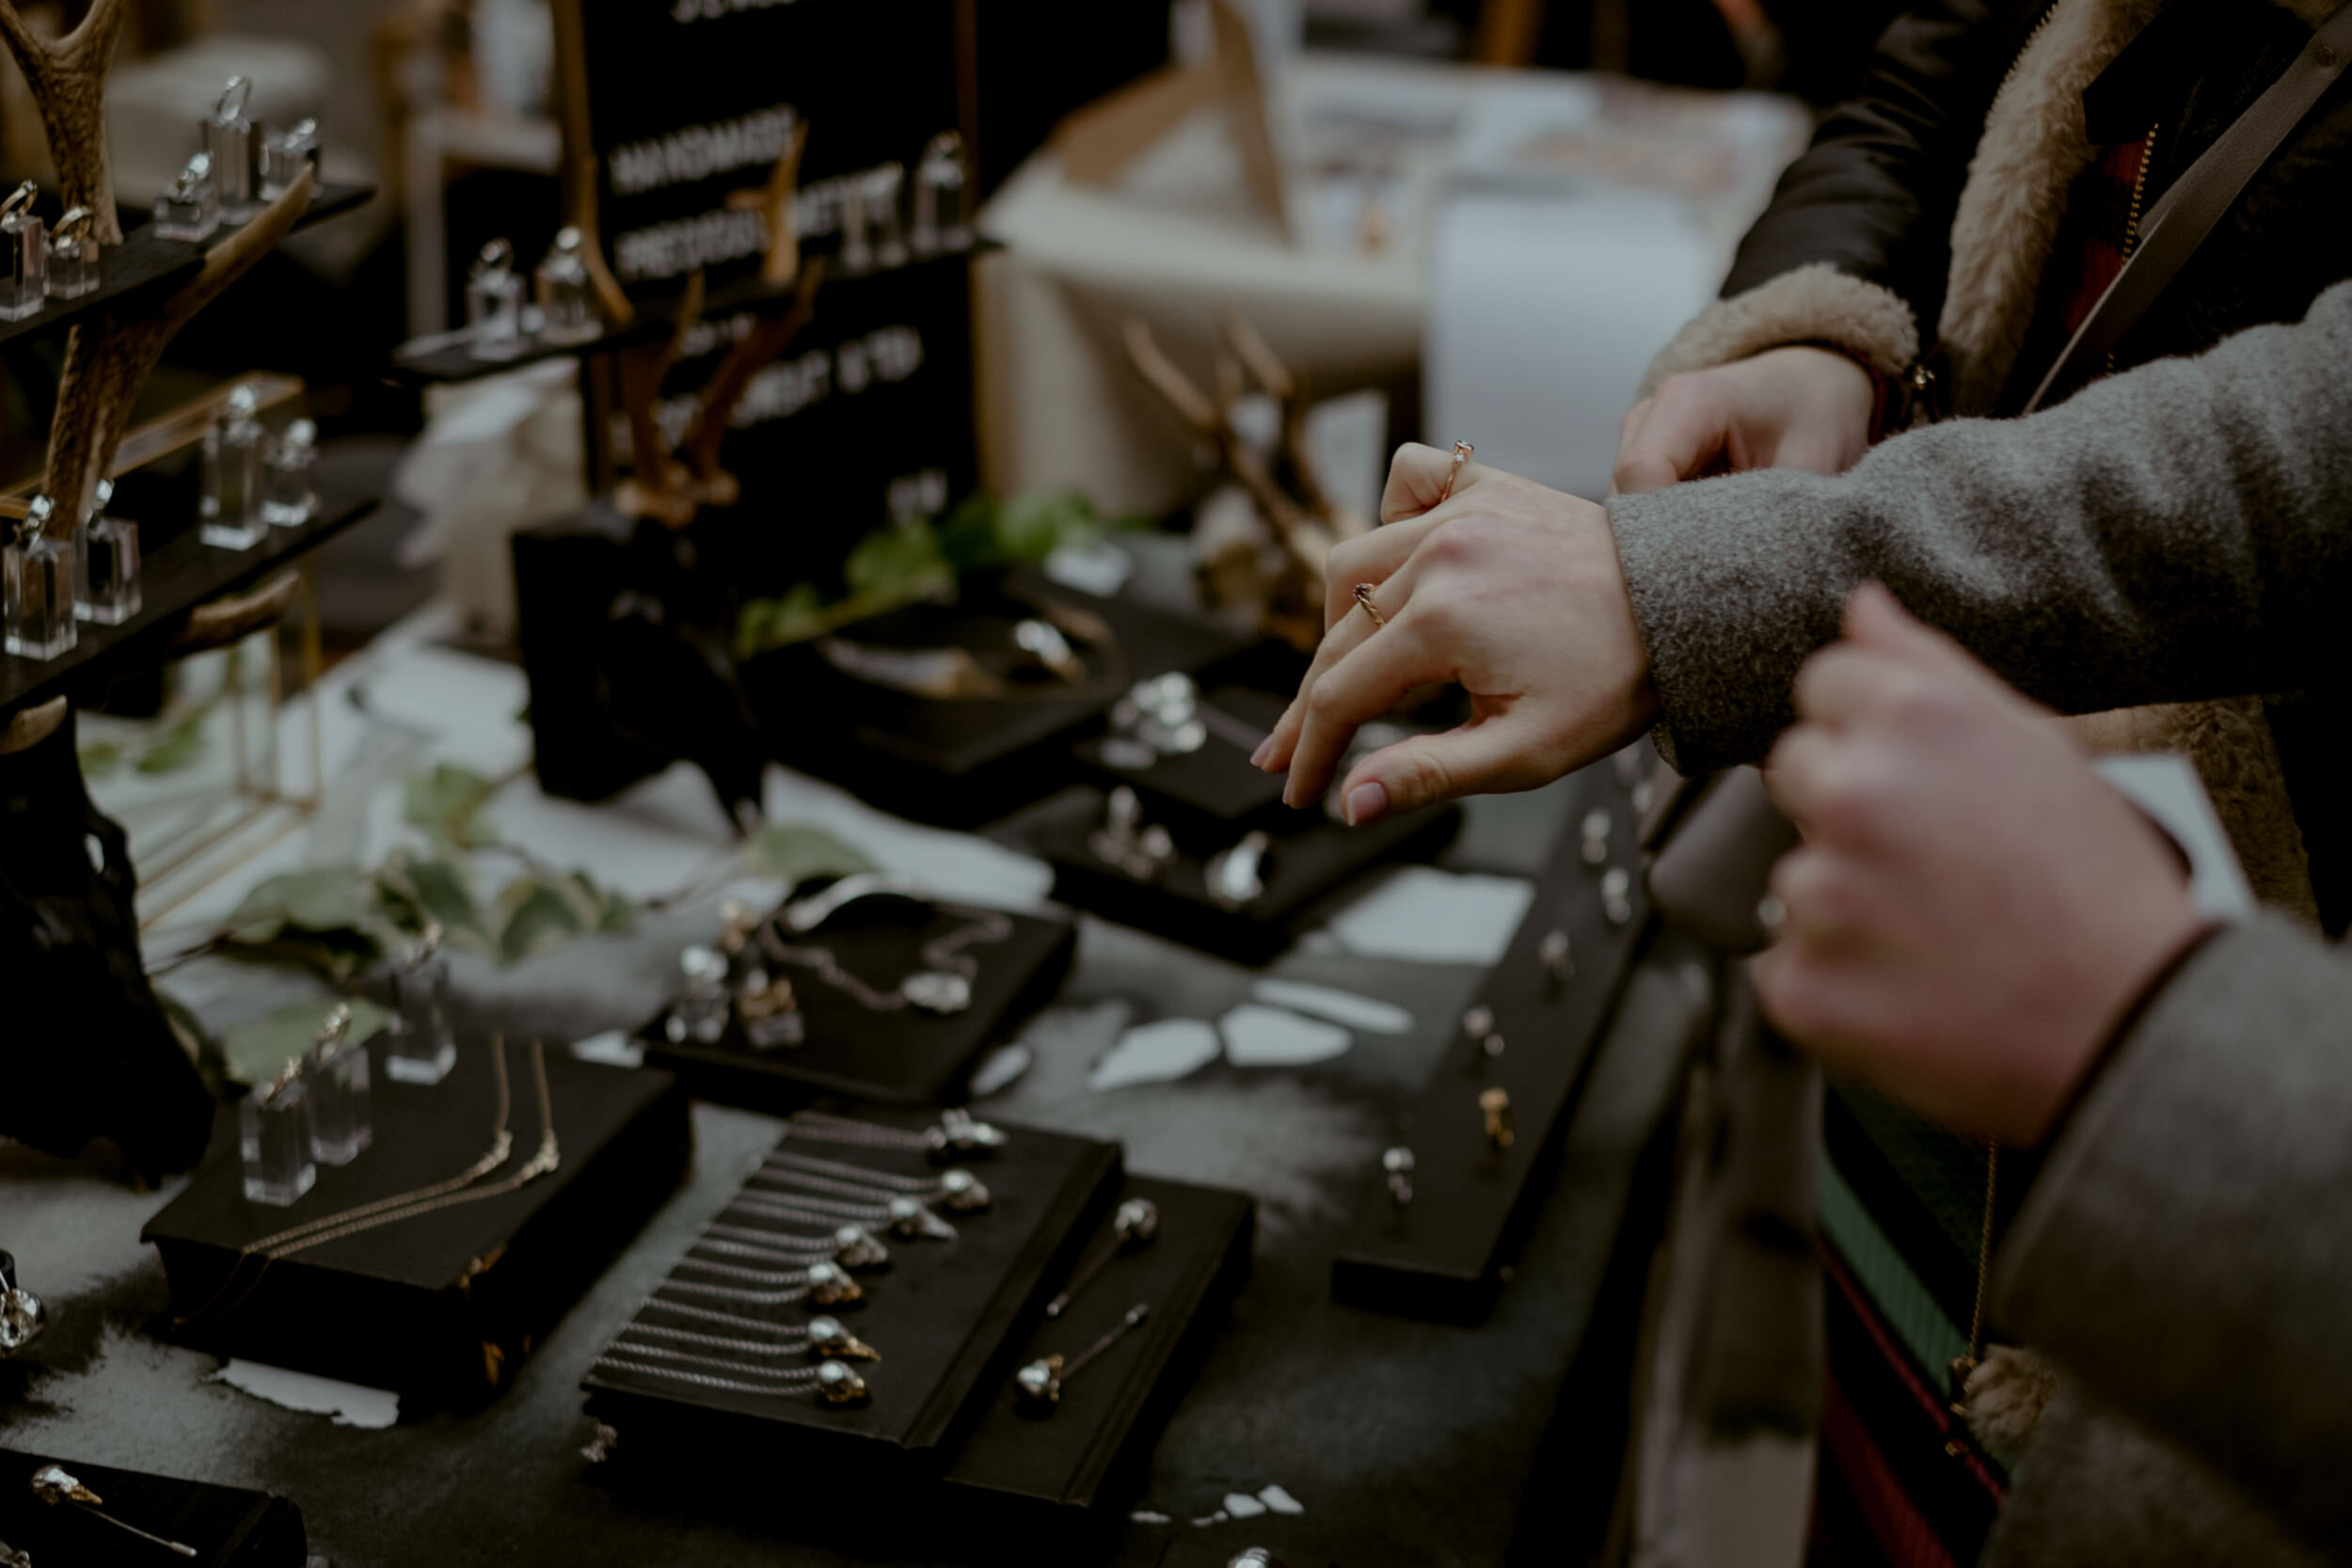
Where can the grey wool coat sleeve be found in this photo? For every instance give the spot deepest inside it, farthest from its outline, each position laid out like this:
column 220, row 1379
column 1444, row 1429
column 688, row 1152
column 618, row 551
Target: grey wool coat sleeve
column 2184, row 1252
column 2181, row 530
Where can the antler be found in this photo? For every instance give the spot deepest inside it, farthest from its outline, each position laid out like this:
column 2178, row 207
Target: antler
column 1277, row 378
column 782, row 262
column 68, row 76
column 111, row 353
column 651, row 490
column 1306, row 539
column 756, row 353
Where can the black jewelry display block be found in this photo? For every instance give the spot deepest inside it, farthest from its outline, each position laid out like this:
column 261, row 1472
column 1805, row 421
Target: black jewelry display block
column 1316, row 856
column 1192, row 1554
column 909, row 1058
column 942, row 1317
column 445, row 1306
column 1214, row 790
column 961, row 762
column 1440, row 1255
column 229, row 1526
column 1096, row 1445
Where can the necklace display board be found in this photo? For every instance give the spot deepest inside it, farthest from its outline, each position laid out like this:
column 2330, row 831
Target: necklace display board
column 905, row 1055
column 445, row 1305
column 965, row 759
column 222, row 1527
column 1435, row 1226
column 1093, row 1449
column 940, row 1316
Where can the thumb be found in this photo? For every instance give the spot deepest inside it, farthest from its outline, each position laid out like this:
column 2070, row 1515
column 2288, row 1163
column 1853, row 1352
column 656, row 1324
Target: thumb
column 1483, row 755
column 1417, row 480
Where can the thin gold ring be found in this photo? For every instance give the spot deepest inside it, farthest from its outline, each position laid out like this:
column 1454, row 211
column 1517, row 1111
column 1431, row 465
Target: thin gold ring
column 1462, row 450
column 1364, row 596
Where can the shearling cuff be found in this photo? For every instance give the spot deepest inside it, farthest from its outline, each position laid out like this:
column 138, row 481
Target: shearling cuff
column 1815, row 304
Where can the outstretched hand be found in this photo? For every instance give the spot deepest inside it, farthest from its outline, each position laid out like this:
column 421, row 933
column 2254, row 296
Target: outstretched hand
column 1507, row 589
column 1973, row 909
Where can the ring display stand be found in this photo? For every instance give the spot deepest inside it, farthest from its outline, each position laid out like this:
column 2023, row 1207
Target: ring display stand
column 1440, row 1255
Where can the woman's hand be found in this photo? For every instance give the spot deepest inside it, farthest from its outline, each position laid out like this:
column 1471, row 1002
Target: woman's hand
column 1973, row 909
column 1507, row 589
column 1798, row 407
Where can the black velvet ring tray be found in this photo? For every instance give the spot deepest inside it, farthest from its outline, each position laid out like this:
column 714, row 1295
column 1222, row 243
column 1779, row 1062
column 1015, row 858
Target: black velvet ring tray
column 1316, row 856
column 957, row 763
column 941, row 1316
column 445, row 1306
column 1441, row 1255
column 1096, row 1445
column 1215, row 788
column 907, row 1057
column 229, row 1526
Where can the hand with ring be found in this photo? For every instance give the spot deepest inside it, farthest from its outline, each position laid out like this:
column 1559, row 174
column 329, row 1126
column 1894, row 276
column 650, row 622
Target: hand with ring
column 1505, row 588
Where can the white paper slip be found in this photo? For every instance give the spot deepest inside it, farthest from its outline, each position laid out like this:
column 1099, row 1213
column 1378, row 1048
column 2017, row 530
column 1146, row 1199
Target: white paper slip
column 1435, row 916
column 1257, row 1035
column 1157, row 1053
column 349, row 1403
column 1364, row 1014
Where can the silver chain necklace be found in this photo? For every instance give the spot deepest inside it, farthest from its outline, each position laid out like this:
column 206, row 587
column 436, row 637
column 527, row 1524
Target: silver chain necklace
column 942, row 987
column 960, row 1135
column 905, row 1216
column 959, row 1192
column 822, row 1284
column 849, row 1245
column 822, row 1337
column 835, row 1382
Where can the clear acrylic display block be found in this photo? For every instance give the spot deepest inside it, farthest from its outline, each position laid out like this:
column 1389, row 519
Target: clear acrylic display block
column 290, row 495
column 106, row 571
column 274, row 1138
column 342, row 1122
column 230, row 505
column 420, row 1047
column 36, row 595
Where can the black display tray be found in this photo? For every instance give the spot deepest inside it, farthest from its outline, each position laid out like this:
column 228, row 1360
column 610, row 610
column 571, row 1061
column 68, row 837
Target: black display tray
column 964, row 762
column 445, row 1306
column 228, row 1525
column 1441, row 1255
column 942, row 1315
column 1312, row 858
column 1215, row 788
column 1093, row 1449
column 902, row 1058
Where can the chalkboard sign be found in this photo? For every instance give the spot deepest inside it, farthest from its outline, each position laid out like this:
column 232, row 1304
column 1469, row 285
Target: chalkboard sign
column 673, row 105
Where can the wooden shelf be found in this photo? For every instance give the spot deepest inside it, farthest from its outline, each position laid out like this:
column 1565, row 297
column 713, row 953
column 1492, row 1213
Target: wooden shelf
column 146, row 261
column 174, row 578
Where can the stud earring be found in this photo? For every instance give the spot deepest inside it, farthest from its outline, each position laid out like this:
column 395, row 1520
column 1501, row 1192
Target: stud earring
column 1040, row 1384
column 1479, row 1024
column 1616, row 895
column 1597, row 826
column 55, row 1486
column 1495, row 1105
column 1398, row 1162
column 1134, row 1227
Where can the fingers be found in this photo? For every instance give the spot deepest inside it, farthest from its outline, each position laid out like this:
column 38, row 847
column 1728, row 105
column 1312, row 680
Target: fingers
column 1485, row 755
column 1359, row 687
column 1373, row 558
column 1685, row 430
column 1417, row 480
column 1348, row 633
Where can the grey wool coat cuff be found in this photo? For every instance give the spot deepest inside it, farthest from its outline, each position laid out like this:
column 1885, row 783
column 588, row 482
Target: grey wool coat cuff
column 2181, row 530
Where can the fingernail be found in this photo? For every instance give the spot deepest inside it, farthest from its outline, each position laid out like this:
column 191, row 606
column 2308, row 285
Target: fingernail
column 1365, row 802
column 1257, row 758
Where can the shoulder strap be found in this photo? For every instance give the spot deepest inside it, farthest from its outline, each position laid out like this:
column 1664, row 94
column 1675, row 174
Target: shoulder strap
column 2176, row 226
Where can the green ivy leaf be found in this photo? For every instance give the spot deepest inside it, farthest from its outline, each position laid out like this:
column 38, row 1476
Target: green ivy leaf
column 256, row 1051
column 1033, row 525
column 793, row 851
column 181, row 746
column 326, row 898
column 897, row 563
column 412, row 889
column 100, row 758
column 535, row 917
column 446, row 802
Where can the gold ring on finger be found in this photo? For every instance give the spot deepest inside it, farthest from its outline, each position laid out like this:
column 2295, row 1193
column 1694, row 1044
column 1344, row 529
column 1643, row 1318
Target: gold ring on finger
column 1364, row 596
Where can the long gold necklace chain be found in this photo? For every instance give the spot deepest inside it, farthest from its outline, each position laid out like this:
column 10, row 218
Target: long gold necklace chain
column 457, row 1190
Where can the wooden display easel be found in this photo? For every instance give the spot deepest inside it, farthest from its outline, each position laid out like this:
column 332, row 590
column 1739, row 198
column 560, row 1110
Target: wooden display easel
column 1098, row 142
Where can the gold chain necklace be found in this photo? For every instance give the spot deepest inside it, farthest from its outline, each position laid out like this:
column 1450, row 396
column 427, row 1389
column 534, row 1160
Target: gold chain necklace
column 457, row 1190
